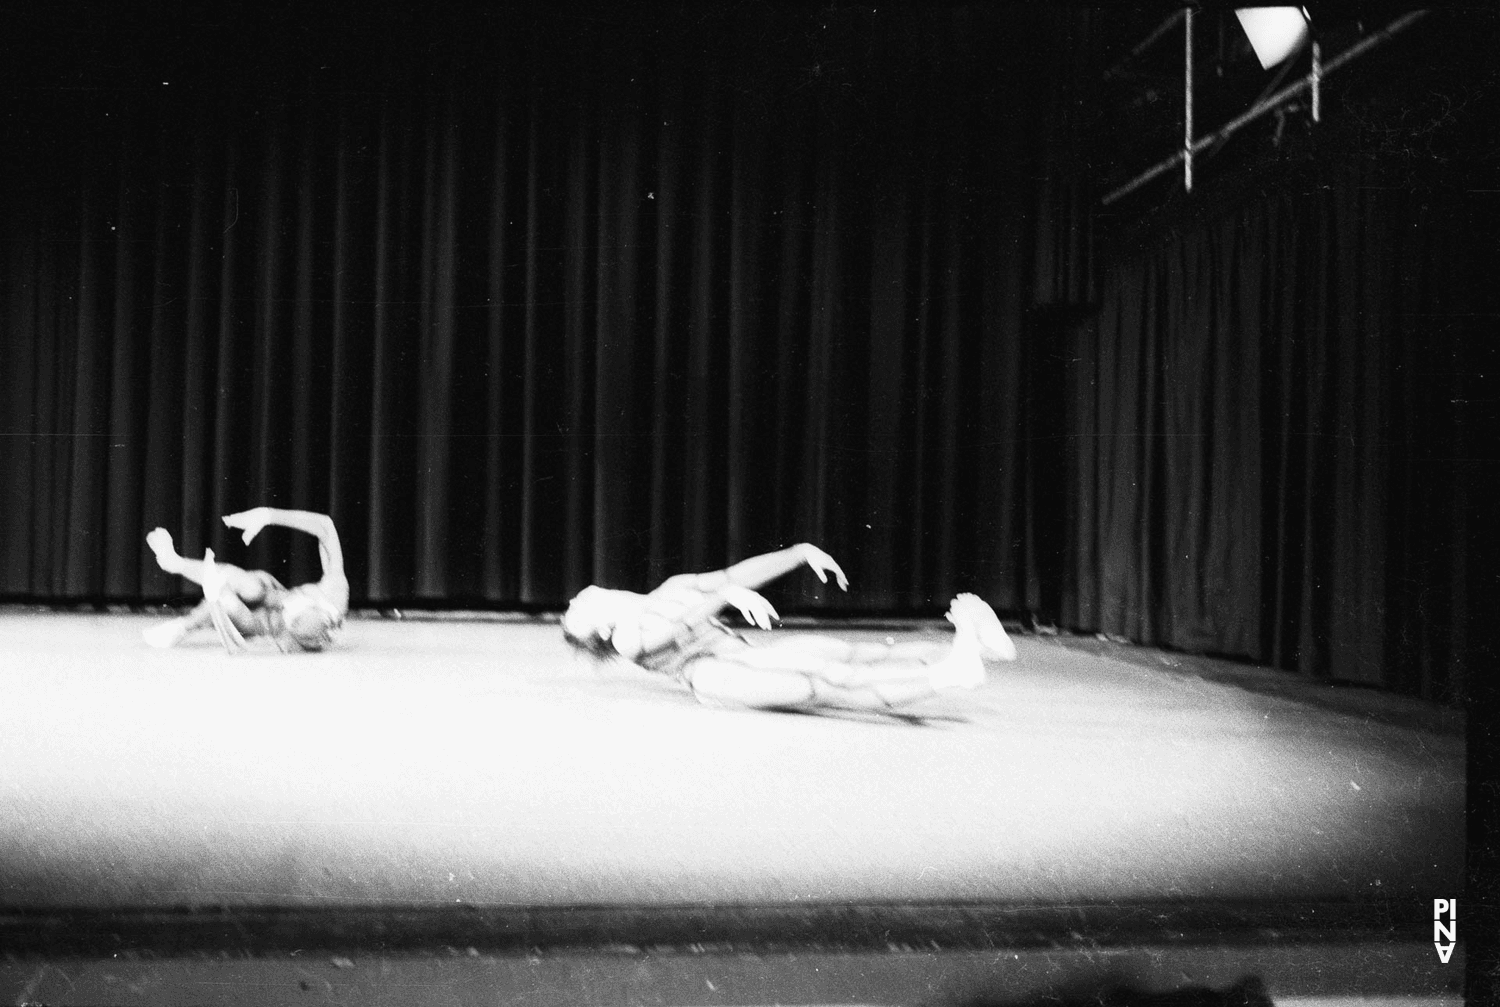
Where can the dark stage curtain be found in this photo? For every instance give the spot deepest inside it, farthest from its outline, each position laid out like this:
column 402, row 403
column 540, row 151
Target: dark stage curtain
column 536, row 301
column 1282, row 444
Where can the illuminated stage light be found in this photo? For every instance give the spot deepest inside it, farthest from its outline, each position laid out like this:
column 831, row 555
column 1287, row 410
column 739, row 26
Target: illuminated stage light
column 1274, row 32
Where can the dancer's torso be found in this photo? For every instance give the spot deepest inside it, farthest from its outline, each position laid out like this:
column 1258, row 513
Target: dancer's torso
column 708, row 639
column 666, row 632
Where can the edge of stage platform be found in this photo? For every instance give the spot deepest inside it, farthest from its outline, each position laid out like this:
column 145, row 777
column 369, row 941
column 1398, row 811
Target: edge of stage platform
column 695, row 928
column 963, row 955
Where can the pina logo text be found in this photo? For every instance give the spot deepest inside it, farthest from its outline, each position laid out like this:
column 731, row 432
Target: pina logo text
column 1444, row 935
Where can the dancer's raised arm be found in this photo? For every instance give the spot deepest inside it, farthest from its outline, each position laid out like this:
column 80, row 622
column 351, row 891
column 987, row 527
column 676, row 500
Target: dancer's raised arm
column 320, row 526
column 688, row 600
column 758, row 571
column 633, row 625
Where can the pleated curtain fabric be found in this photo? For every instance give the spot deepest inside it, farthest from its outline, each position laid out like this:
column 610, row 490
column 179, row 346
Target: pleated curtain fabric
column 1281, row 437
column 577, row 301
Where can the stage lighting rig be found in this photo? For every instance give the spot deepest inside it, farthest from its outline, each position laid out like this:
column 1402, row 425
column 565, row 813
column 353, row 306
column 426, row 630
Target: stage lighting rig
column 1277, row 35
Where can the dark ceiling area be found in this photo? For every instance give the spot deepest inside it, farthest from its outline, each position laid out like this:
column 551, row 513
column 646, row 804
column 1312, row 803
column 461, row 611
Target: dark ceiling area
column 1419, row 101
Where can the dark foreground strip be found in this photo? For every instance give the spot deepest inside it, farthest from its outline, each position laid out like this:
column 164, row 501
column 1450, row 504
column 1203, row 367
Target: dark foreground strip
column 758, row 929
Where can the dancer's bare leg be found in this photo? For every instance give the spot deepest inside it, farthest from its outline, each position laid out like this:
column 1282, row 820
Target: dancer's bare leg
column 172, row 632
column 243, row 588
column 826, row 672
column 247, row 587
column 729, row 682
column 860, row 651
column 787, row 675
column 719, row 681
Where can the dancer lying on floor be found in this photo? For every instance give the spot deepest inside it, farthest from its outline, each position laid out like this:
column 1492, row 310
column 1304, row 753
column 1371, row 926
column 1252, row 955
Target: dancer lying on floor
column 673, row 630
column 249, row 603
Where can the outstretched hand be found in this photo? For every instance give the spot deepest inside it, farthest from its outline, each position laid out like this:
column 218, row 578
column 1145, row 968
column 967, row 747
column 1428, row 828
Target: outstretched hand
column 160, row 541
column 251, row 521
column 822, row 564
column 756, row 610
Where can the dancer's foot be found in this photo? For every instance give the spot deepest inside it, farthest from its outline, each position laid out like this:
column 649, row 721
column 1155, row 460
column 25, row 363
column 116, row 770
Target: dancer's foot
column 972, row 612
column 963, row 667
column 160, row 541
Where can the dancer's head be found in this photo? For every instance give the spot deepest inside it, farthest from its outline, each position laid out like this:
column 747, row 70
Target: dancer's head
column 310, row 619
